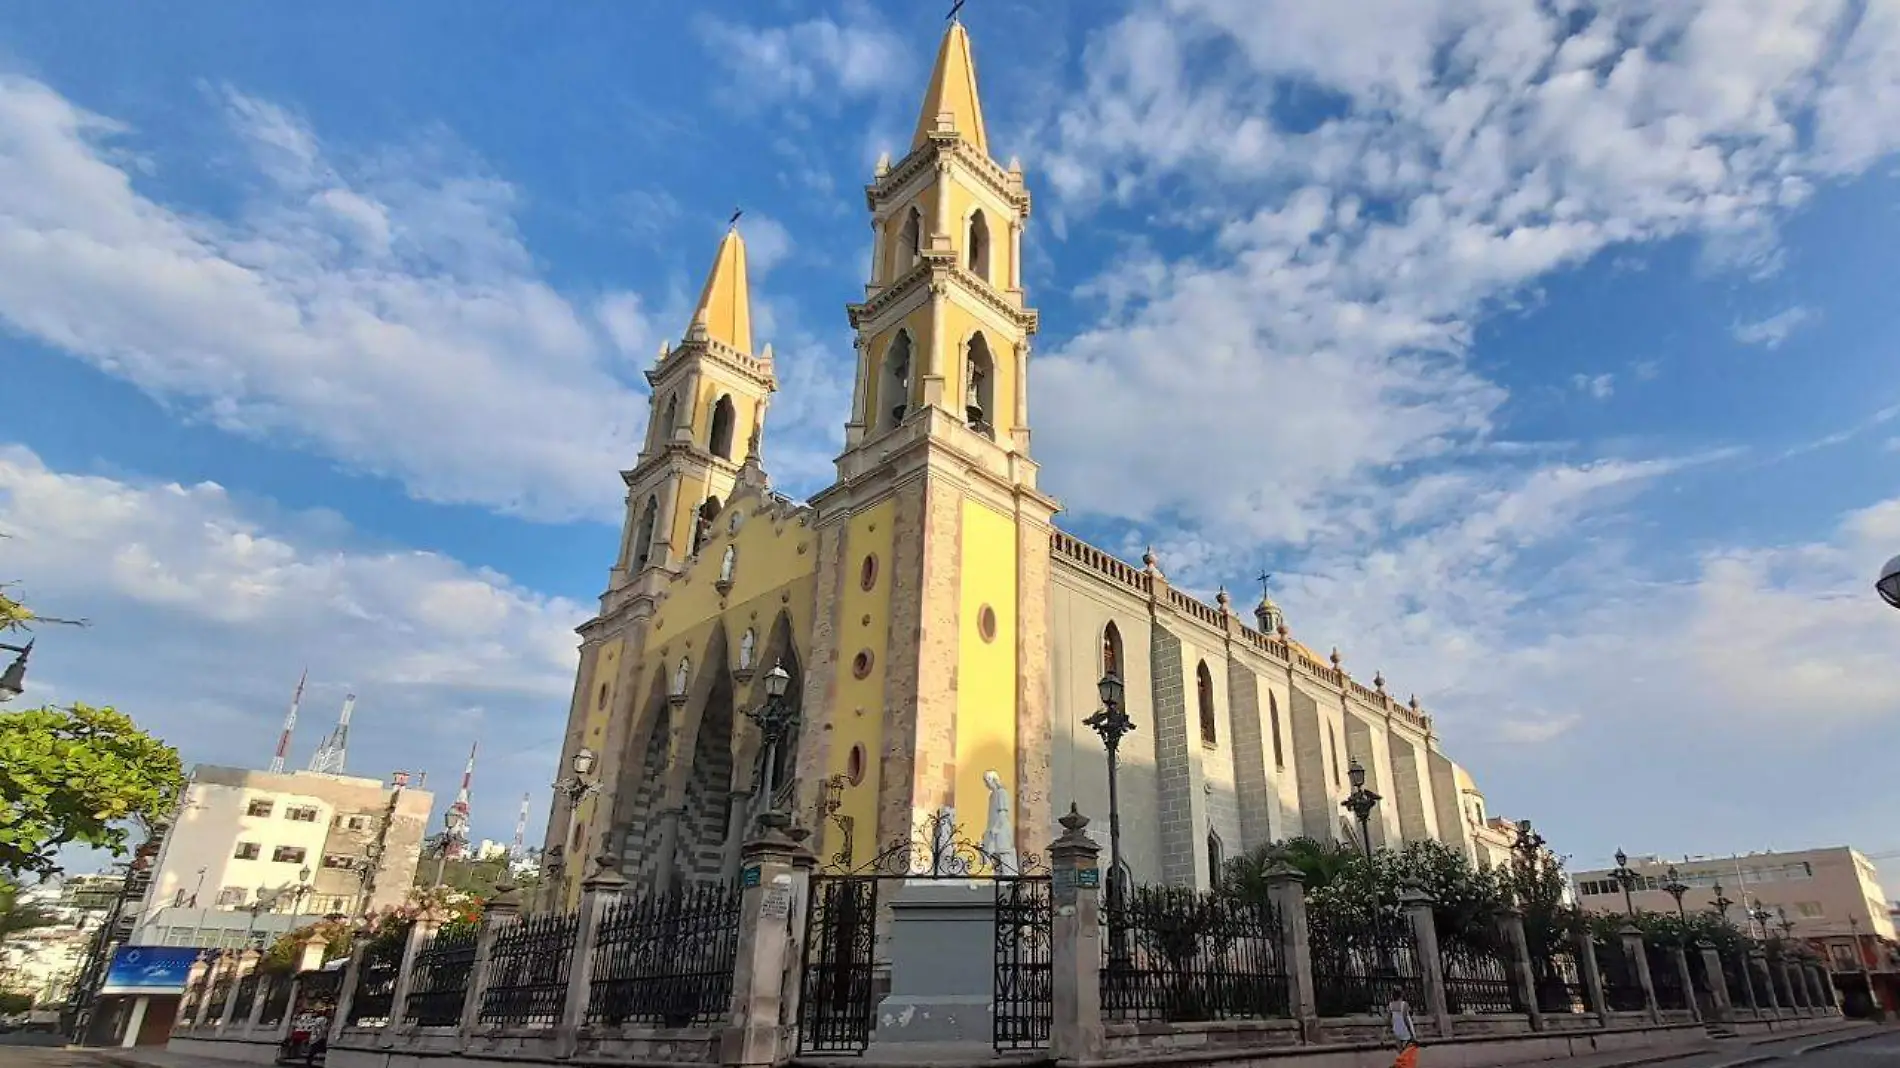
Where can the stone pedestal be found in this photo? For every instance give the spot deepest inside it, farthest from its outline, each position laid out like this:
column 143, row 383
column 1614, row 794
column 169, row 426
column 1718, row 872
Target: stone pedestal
column 943, row 967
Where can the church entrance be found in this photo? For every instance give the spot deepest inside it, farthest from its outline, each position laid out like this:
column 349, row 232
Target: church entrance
column 934, row 940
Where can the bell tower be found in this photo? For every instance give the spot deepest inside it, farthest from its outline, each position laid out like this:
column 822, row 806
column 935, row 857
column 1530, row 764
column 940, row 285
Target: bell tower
column 932, row 649
column 709, row 395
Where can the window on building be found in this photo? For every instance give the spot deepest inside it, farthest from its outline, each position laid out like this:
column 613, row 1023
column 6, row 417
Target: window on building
column 911, row 241
column 894, row 385
column 1273, row 718
column 720, row 439
column 357, row 823
column 1809, row 910
column 287, row 855
column 643, row 534
column 336, row 860
column 1843, row 955
column 703, row 521
column 979, row 242
column 1112, row 651
column 232, row 896
column 258, row 808
column 979, row 387
column 1215, row 858
column 301, row 813
column 1204, row 692
column 247, row 851
column 1332, row 745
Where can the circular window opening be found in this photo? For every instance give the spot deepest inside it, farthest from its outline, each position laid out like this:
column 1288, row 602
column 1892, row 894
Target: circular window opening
column 861, row 663
column 867, row 572
column 986, row 623
column 854, row 765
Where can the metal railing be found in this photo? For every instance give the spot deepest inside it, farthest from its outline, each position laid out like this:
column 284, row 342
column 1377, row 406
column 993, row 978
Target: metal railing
column 528, row 971
column 666, row 960
column 438, row 986
column 1180, row 955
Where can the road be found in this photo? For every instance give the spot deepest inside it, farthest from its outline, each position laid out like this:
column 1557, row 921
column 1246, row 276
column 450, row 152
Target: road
column 1871, row 1049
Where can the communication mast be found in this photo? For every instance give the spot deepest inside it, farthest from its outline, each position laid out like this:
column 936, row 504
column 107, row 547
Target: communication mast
column 290, row 724
column 455, row 820
column 518, row 849
column 333, row 754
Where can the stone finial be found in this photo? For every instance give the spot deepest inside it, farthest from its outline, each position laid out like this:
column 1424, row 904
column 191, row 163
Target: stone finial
column 1378, row 681
column 1281, row 872
column 1413, row 702
column 1412, row 895
column 1015, row 165
column 1283, row 631
column 1336, row 658
column 1221, row 599
column 765, row 354
column 507, row 899
column 1630, row 930
column 1149, row 560
column 1074, row 824
column 883, row 164
column 663, row 351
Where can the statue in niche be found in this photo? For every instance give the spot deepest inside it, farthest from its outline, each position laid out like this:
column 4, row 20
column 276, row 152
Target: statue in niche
column 746, row 642
column 680, row 676
column 726, row 562
column 999, row 835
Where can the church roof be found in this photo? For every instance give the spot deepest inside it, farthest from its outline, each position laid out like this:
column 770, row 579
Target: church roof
column 725, row 305
column 953, row 92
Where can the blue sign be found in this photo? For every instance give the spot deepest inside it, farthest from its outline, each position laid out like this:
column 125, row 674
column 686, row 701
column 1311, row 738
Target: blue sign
column 149, row 970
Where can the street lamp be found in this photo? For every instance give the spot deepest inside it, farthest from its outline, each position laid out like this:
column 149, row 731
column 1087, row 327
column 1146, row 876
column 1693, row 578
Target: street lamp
column 1786, row 924
column 13, row 680
column 1626, row 879
column 1889, row 584
column 1759, row 913
column 1360, row 803
column 1721, row 903
column 575, row 787
column 1675, row 888
column 775, row 718
column 1113, row 724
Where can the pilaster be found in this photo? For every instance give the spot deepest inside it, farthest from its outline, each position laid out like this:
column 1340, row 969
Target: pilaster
column 1632, row 940
column 1720, row 1009
column 1287, row 890
column 503, row 910
column 1511, row 922
column 1076, row 1034
column 600, row 892
column 776, row 877
column 1431, row 963
column 419, row 934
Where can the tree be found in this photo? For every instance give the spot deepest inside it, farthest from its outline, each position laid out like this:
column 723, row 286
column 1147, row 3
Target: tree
column 77, row 775
column 17, row 916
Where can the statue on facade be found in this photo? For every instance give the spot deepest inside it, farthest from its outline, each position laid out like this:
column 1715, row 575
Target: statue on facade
column 726, row 562
column 999, row 835
column 746, row 643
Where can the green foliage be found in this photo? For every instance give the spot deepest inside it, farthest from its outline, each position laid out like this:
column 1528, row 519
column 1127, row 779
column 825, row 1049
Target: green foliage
column 477, row 877
column 77, row 775
column 13, row 1003
column 17, row 916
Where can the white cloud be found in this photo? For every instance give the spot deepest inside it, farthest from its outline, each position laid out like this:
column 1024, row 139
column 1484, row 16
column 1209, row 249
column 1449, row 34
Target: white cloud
column 807, row 60
column 203, row 615
column 1771, row 332
column 1597, row 387
column 767, row 243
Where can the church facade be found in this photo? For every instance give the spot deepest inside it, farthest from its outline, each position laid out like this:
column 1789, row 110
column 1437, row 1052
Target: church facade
column 942, row 636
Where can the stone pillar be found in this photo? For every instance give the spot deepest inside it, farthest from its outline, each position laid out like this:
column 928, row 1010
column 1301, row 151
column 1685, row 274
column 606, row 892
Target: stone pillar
column 1593, row 976
column 1075, row 943
column 600, row 892
column 1431, row 963
column 419, row 934
column 1511, row 922
column 1719, row 1006
column 739, row 811
column 246, row 961
column 259, row 995
column 214, row 965
column 290, row 1008
column 310, row 954
column 346, row 991
column 1758, row 973
column 1286, row 889
column 1681, row 959
column 502, row 910
column 668, row 850
column 775, row 881
column 1632, row 939
column 1797, row 990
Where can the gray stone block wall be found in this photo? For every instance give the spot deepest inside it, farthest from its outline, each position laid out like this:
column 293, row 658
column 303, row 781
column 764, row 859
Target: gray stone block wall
column 639, row 854
column 1308, row 727
column 1253, row 803
column 1173, row 760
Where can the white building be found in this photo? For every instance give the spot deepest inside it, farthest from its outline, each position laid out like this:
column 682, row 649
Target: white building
column 253, row 854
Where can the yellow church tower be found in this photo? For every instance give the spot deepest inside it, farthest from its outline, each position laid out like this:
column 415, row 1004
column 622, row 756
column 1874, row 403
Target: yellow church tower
column 930, row 649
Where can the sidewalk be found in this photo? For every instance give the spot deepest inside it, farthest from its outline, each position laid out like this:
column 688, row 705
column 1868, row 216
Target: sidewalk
column 158, row 1057
column 1734, row 1052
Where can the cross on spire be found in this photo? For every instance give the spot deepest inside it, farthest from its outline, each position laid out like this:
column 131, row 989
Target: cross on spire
column 734, row 221
column 954, row 8
column 1265, row 577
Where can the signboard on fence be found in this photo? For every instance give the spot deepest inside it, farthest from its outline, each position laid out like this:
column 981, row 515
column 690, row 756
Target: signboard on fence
column 149, row 970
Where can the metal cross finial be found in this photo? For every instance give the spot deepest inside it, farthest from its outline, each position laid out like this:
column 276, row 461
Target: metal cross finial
column 1265, row 577
column 954, row 8
column 734, row 221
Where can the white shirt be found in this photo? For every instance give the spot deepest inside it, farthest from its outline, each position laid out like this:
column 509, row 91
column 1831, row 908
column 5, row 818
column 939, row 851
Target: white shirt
column 1401, row 1019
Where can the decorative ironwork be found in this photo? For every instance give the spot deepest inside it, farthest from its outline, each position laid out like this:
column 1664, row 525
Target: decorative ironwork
column 666, row 960
column 376, row 979
column 1558, row 980
column 1478, row 973
column 1622, row 990
column 220, row 988
column 247, row 995
column 840, row 943
column 1359, row 965
column 276, row 999
column 1022, row 995
column 438, row 983
column 528, row 971
column 1665, row 978
column 940, row 850
column 1193, row 956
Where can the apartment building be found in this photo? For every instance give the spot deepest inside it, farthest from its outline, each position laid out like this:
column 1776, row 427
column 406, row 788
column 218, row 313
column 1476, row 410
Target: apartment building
column 1822, row 892
column 253, row 854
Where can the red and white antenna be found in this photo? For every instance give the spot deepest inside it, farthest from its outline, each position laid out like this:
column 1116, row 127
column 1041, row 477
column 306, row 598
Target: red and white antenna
column 455, row 820
column 290, row 724
column 518, row 849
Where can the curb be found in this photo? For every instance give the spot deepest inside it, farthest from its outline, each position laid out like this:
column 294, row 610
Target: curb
column 1862, row 1035
column 1658, row 1058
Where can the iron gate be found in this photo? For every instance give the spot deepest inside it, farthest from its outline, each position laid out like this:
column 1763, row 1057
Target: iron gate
column 838, row 979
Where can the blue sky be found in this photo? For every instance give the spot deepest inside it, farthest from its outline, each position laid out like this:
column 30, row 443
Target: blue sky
column 1544, row 352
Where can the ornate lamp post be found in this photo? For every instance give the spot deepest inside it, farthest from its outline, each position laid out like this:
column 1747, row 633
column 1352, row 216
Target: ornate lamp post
column 1360, row 803
column 13, row 680
column 572, row 790
column 1760, row 914
column 1675, row 887
column 1113, row 724
column 1786, row 924
column 775, row 718
column 1626, row 879
column 1721, row 903
column 1889, row 582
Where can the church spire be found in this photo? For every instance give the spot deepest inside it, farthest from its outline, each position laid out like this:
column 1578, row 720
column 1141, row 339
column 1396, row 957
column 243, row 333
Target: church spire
column 952, row 94
column 725, row 305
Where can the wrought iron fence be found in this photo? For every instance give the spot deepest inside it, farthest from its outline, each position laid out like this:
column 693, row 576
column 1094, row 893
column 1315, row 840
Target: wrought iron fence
column 276, row 999
column 1665, row 978
column 220, row 992
column 1557, row 978
column 1479, row 977
column 1023, row 994
column 1180, row 955
column 1741, row 991
column 1622, row 989
column 840, row 946
column 194, row 994
column 376, row 978
column 247, row 994
column 1359, row 965
column 666, row 960
column 438, row 983
column 317, row 992
column 528, row 971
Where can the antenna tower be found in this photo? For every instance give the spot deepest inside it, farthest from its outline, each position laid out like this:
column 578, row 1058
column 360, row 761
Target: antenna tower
column 333, row 754
column 290, row 724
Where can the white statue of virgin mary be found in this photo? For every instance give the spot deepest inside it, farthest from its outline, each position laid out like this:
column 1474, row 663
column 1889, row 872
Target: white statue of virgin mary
column 999, row 834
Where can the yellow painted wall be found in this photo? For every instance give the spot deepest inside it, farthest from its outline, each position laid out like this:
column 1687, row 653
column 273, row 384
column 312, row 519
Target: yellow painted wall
column 986, row 670
column 857, row 716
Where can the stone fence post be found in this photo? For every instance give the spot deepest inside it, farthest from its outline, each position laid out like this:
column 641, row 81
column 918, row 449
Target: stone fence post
column 246, row 961
column 775, row 885
column 1720, row 1008
column 1758, row 969
column 1075, row 943
column 1592, row 976
column 1511, row 922
column 600, row 892
column 346, row 990
column 1431, row 961
column 503, row 909
column 213, row 968
column 419, row 933
column 259, row 995
column 1680, row 957
column 1286, row 888
column 1632, row 938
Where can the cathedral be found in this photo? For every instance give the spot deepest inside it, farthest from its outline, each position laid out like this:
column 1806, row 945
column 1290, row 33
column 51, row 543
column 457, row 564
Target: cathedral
column 934, row 634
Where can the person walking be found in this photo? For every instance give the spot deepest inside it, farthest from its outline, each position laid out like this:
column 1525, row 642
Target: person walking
column 1404, row 1035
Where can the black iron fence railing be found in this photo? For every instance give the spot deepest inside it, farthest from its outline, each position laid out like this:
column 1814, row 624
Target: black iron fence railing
column 1557, row 979
column 317, row 992
column 1741, row 992
column 376, row 978
column 247, row 995
column 1479, row 977
column 665, row 960
column 220, row 990
column 438, row 984
column 1622, row 989
column 1180, row 955
column 1665, row 978
column 1358, row 966
column 1023, row 989
column 528, row 971
column 276, row 1000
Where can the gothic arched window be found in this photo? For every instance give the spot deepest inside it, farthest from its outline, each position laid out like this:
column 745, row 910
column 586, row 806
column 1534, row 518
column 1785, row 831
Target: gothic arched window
column 979, row 387
column 894, row 391
column 1112, row 651
column 978, row 255
column 1204, row 690
column 643, row 533
column 672, row 418
column 910, row 244
column 720, row 438
column 702, row 523
column 1273, row 716
column 1215, row 859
